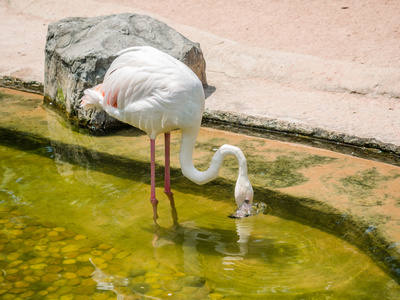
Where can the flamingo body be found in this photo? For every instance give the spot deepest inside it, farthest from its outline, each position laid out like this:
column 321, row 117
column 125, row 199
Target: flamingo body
column 153, row 91
column 150, row 90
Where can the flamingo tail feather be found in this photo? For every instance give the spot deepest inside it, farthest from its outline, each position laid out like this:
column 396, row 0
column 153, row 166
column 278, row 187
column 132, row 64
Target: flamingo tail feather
column 93, row 97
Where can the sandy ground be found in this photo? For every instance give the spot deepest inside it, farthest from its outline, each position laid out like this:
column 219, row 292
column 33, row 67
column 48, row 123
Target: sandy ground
column 330, row 66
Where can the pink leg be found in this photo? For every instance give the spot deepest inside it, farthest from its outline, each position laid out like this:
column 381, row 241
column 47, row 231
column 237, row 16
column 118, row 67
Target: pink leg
column 167, row 183
column 153, row 199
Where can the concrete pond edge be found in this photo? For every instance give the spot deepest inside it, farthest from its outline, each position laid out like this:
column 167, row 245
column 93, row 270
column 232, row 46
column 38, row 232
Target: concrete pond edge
column 246, row 122
column 258, row 123
column 19, row 84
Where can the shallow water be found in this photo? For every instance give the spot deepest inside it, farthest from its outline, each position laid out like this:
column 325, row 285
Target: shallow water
column 76, row 224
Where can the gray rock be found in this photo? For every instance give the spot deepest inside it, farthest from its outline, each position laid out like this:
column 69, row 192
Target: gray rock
column 80, row 50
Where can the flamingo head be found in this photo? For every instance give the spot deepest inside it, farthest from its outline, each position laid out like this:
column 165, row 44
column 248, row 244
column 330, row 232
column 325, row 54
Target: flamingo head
column 244, row 198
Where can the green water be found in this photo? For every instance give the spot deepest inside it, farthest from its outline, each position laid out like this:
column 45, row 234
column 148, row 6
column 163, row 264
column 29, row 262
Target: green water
column 76, row 223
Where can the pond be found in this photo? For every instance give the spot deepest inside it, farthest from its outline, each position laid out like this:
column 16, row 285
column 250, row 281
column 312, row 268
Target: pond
column 76, row 223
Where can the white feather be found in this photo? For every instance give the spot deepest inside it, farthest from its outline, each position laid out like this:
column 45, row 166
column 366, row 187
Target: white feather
column 153, row 91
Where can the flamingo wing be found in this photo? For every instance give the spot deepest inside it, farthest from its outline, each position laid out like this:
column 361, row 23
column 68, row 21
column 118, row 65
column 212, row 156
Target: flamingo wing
column 150, row 90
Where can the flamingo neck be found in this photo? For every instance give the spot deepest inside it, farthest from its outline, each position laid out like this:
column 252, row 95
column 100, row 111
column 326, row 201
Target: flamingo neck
column 202, row 177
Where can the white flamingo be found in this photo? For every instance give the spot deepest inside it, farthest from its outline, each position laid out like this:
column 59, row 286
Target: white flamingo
column 153, row 91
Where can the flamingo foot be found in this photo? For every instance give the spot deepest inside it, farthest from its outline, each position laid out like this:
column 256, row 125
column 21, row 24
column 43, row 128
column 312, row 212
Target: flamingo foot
column 174, row 213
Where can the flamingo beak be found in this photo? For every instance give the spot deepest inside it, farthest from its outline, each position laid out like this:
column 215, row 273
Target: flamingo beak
column 244, row 210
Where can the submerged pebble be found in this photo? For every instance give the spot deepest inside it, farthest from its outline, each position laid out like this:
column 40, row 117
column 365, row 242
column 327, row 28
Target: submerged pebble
column 42, row 260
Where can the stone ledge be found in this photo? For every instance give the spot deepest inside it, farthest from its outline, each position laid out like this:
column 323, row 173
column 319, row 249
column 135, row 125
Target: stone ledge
column 247, row 122
column 255, row 123
column 18, row 84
